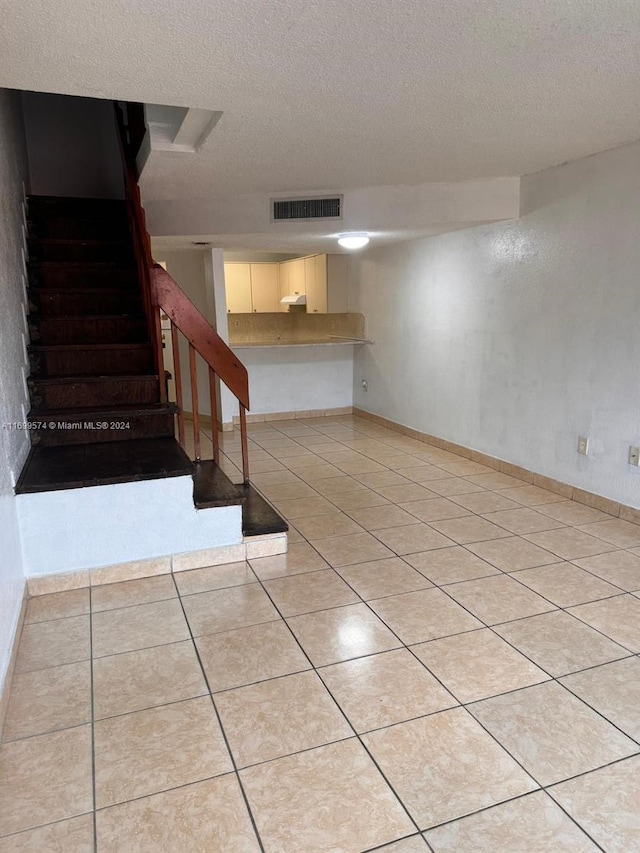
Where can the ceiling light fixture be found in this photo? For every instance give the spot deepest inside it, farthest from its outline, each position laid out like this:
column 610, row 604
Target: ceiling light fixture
column 353, row 241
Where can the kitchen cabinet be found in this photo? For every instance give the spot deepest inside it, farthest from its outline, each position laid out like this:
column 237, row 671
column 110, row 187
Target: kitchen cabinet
column 259, row 287
column 265, row 292
column 283, row 285
column 237, row 281
column 315, row 270
column 292, row 279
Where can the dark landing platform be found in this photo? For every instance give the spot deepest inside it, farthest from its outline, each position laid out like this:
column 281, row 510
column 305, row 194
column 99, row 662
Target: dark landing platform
column 212, row 487
column 75, row 466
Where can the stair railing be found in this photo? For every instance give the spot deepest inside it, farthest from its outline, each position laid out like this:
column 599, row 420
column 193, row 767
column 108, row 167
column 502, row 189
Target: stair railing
column 161, row 292
column 138, row 231
column 221, row 362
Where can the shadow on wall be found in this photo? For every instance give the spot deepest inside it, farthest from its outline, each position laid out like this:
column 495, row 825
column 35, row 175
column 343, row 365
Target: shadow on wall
column 72, row 145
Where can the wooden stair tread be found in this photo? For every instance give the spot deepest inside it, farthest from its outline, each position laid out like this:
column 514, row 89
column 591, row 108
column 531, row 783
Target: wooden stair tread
column 77, row 466
column 65, row 291
column 259, row 518
column 115, row 411
column 75, row 200
column 63, row 317
column 82, row 241
column 212, row 487
column 69, row 347
column 83, row 265
column 90, row 380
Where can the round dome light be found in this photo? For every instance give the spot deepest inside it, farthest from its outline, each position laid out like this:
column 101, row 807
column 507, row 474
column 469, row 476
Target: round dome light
column 353, row 241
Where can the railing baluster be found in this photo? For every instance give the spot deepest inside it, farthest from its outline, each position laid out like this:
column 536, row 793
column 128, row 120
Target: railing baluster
column 159, row 357
column 178, row 381
column 214, row 416
column 245, row 447
column 194, row 401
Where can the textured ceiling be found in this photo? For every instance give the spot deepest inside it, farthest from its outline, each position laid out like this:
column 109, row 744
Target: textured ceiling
column 300, row 242
column 346, row 93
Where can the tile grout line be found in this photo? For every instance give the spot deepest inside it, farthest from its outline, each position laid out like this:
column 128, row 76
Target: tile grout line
column 540, row 787
column 469, row 551
column 494, row 738
column 555, row 608
column 471, row 514
column 340, row 709
column 222, row 730
column 336, row 570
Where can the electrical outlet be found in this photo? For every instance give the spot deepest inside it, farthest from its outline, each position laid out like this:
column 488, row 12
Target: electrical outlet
column 365, row 385
column 583, row 445
column 634, row 456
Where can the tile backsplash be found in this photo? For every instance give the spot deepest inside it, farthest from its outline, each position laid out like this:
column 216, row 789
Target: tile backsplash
column 294, row 327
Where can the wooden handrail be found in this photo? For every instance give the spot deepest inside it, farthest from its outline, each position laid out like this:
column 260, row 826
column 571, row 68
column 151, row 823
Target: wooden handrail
column 167, row 295
column 140, row 238
column 161, row 293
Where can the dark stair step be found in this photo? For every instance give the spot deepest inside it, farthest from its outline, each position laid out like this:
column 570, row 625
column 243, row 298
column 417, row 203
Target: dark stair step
column 212, row 487
column 77, row 466
column 68, row 207
column 48, row 302
column 90, row 330
column 258, row 516
column 78, row 228
column 84, row 275
column 77, row 392
column 91, row 359
column 98, row 424
column 113, row 251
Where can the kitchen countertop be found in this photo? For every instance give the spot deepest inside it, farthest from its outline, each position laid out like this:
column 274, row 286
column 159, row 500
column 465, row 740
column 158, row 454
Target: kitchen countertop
column 287, row 343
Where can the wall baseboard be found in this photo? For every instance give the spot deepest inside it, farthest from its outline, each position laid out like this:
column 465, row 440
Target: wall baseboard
column 8, row 678
column 618, row 510
column 250, row 548
column 289, row 416
column 205, row 420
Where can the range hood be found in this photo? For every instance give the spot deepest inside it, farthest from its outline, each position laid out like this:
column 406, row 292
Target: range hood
column 296, row 299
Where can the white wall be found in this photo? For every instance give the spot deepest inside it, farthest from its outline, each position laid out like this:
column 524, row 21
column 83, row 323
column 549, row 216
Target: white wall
column 217, row 300
column 298, row 378
column 73, row 148
column 514, row 338
column 243, row 221
column 14, row 444
column 120, row 523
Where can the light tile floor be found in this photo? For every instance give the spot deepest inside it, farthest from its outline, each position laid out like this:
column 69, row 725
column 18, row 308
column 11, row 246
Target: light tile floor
column 445, row 660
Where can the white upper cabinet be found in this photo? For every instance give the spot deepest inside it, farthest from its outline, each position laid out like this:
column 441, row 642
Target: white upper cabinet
column 260, row 287
column 237, row 285
column 265, row 292
column 315, row 269
column 283, row 286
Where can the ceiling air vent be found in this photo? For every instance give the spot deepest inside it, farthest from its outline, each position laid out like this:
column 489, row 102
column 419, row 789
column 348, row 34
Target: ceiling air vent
column 306, row 208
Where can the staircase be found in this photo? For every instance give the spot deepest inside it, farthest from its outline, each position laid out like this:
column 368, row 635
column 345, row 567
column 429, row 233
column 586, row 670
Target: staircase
column 98, row 412
column 92, row 368
column 93, row 380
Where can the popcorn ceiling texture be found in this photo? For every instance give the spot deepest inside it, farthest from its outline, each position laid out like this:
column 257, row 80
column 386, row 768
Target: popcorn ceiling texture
column 346, row 93
column 14, row 444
